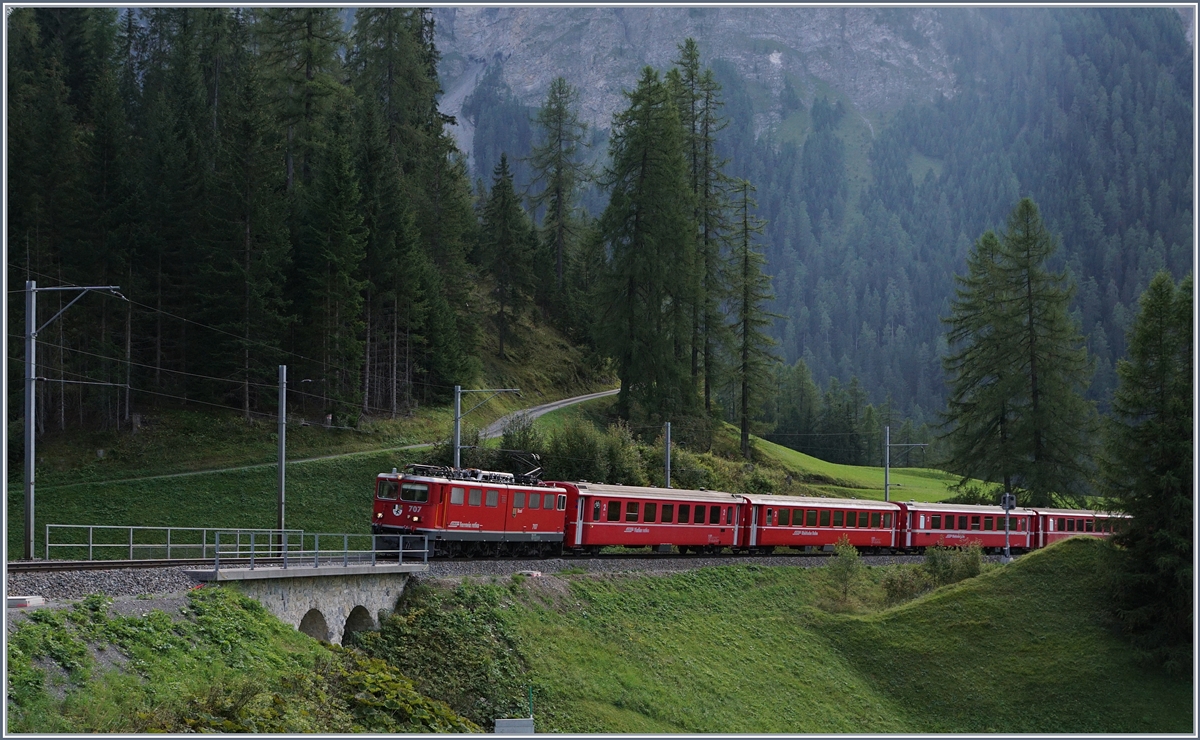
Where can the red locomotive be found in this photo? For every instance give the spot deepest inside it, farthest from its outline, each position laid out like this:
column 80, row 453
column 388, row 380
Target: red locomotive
column 481, row 513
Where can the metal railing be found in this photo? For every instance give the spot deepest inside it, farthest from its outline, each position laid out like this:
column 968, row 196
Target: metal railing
column 355, row 549
column 103, row 542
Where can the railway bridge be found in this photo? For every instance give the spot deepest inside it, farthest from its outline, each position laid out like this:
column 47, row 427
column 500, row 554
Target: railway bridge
column 327, row 602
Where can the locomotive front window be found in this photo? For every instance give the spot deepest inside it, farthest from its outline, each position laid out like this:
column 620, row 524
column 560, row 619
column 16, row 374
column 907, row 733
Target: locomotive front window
column 684, row 510
column 875, row 519
column 493, row 498
column 388, row 490
column 785, row 517
column 549, row 501
column 457, row 495
column 824, row 518
column 476, row 497
column 837, row 518
column 631, row 511
column 519, row 500
column 887, row 520
column 668, row 513
column 649, row 512
column 714, row 515
column 596, row 511
column 699, row 515
column 415, row 492
column 535, row 500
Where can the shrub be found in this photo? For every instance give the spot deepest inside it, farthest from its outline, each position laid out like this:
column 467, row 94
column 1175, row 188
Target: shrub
column 901, row 584
column 624, row 461
column 845, row 567
column 576, row 452
column 520, row 433
column 953, row 564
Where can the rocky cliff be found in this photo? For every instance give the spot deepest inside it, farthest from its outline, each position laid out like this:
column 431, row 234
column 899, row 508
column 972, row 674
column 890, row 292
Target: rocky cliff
column 875, row 57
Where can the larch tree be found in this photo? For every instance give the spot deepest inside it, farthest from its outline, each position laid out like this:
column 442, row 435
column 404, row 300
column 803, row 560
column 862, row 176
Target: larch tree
column 558, row 167
column 506, row 248
column 1147, row 473
column 1019, row 368
column 644, row 320
column 750, row 291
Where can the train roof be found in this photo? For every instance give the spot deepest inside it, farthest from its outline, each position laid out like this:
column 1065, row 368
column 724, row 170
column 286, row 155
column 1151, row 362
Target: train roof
column 1081, row 512
column 815, row 501
column 943, row 506
column 604, row 489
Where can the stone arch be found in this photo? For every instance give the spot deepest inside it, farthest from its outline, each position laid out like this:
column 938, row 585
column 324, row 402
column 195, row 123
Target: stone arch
column 313, row 624
column 359, row 619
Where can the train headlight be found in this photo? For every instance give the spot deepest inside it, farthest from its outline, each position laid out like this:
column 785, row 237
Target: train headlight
column 379, row 515
column 416, row 518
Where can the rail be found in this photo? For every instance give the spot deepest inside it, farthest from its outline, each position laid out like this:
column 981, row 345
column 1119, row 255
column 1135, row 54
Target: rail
column 157, row 543
column 356, row 549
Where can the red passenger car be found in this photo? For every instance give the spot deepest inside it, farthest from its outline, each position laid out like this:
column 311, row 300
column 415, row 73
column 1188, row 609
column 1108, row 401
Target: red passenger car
column 601, row 515
column 957, row 525
column 791, row 521
column 470, row 512
column 1058, row 524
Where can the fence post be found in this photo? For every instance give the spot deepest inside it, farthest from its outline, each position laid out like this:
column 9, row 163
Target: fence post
column 345, row 550
column 131, row 543
column 168, row 543
column 204, row 544
column 252, row 551
column 316, row 551
column 283, row 535
column 47, row 541
column 217, row 554
column 89, row 543
column 374, row 544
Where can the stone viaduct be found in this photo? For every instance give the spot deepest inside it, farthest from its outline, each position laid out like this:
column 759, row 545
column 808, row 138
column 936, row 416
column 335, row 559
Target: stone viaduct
column 327, row 602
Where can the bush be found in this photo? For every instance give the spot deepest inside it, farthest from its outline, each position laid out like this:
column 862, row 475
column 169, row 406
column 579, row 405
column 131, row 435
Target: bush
column 576, row 452
column 901, row 584
column 953, row 564
column 845, row 567
column 624, row 461
column 520, row 433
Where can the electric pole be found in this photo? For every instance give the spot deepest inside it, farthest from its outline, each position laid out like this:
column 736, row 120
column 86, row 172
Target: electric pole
column 459, row 413
column 887, row 459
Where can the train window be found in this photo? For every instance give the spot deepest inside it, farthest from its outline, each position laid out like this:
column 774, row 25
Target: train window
column 562, row 502
column 1091, row 525
column 535, row 500
column 810, row 517
column 476, row 497
column 668, row 513
column 1070, row 525
column 1062, row 524
column 458, row 495
column 614, row 511
column 875, row 519
column 714, row 515
column 699, row 519
column 851, row 518
column 975, row 523
column 684, row 510
column 415, row 492
column 987, row 524
column 649, row 512
column 824, row 518
column 492, row 498
column 631, row 511
column 864, row 518
column 962, row 522
column 387, row 490
column 785, row 517
column 837, row 518
column 770, row 517
column 729, row 515
column 519, row 500
column 887, row 520
column 548, row 502
column 937, row 522
column 596, row 511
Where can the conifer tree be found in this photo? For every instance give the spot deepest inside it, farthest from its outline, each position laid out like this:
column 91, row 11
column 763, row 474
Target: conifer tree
column 1147, row 471
column 750, row 291
column 644, row 319
column 1017, row 412
column 506, row 249
column 557, row 166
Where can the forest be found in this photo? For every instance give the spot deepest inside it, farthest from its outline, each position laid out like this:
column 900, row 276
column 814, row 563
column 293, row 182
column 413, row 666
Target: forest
column 277, row 185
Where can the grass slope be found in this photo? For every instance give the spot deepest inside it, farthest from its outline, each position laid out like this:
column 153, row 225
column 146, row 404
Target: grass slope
column 1024, row 648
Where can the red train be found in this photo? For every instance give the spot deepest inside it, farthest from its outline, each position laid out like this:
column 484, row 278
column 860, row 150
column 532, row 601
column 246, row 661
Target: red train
column 481, row 513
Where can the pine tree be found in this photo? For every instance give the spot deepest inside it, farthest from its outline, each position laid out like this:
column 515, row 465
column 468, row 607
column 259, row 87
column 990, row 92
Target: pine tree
column 506, row 249
column 1147, row 471
column 750, row 290
column 1016, row 407
column 644, row 319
